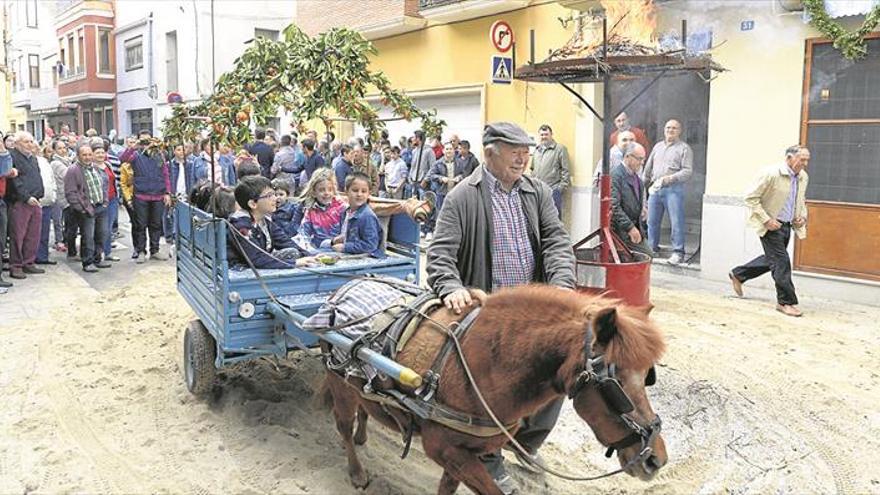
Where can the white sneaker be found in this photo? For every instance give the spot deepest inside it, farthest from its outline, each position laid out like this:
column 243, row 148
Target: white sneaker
column 675, row 259
column 429, row 236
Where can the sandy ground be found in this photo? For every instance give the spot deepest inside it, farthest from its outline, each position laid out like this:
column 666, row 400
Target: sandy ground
column 93, row 401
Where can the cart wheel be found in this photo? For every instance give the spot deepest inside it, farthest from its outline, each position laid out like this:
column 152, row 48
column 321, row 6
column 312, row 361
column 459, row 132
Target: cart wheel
column 199, row 351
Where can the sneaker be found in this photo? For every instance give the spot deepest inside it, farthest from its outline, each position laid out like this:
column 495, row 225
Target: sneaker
column 140, row 258
column 103, row 264
column 4, row 284
column 114, row 245
column 506, row 484
column 112, row 258
column 159, row 256
column 31, row 269
column 429, row 236
column 90, row 269
column 675, row 259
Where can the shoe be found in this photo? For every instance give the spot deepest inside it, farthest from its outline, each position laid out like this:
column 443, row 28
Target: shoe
column 141, row 258
column 112, row 258
column 429, row 236
column 73, row 257
column 17, row 273
column 4, row 284
column 159, row 256
column 90, row 269
column 737, row 285
column 103, row 264
column 31, row 269
column 422, row 235
column 114, row 245
column 789, row 310
column 675, row 259
column 525, row 464
column 506, row 484
column 47, row 262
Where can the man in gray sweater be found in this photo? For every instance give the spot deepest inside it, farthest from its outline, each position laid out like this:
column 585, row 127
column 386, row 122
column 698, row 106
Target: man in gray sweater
column 500, row 229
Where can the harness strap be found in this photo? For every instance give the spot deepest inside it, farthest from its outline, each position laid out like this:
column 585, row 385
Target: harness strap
column 459, row 331
column 392, row 335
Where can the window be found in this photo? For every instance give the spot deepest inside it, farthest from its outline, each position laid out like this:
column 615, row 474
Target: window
column 31, row 9
column 842, row 125
column 80, row 57
column 70, row 54
column 141, row 120
column 134, row 53
column 269, row 34
column 87, row 120
column 34, row 70
column 171, row 60
column 18, row 66
column 104, row 51
column 108, row 119
column 98, row 125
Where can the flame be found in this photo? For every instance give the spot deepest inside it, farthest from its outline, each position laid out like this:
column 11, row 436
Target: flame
column 631, row 20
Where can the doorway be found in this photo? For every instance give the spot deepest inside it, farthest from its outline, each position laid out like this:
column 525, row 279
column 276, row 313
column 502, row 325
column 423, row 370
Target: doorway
column 684, row 97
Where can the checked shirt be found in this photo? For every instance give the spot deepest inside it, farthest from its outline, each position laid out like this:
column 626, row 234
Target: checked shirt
column 94, row 185
column 513, row 260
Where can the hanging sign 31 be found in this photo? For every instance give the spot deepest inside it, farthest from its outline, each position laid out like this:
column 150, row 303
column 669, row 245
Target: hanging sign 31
column 501, row 35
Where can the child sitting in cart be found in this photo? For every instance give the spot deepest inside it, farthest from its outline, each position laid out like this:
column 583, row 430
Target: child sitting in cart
column 254, row 239
column 361, row 231
column 289, row 214
column 322, row 220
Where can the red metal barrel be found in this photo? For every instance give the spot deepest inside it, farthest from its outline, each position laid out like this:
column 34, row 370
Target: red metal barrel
column 629, row 281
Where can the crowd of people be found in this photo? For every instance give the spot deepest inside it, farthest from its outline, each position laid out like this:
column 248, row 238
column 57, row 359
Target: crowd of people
column 64, row 194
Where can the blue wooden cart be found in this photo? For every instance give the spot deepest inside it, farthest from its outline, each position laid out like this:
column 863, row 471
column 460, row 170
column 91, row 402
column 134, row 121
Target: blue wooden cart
column 237, row 319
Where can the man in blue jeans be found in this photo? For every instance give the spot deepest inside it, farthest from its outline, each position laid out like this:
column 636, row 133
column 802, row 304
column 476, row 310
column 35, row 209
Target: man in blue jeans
column 667, row 170
column 551, row 165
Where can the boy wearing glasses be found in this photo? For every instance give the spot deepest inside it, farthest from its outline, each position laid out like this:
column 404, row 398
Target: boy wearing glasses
column 256, row 237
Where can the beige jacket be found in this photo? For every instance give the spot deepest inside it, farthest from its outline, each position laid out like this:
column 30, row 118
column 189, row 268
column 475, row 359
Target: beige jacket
column 769, row 194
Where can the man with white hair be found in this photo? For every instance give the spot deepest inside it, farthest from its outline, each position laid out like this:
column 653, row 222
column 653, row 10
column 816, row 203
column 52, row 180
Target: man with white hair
column 628, row 199
column 25, row 214
column 500, row 229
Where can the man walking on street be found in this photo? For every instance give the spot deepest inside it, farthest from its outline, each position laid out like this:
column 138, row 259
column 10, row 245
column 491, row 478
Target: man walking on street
column 667, row 171
column 777, row 204
column 500, row 229
column 628, row 199
column 551, row 165
column 85, row 190
column 25, row 215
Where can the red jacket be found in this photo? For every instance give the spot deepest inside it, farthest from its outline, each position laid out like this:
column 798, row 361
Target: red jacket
column 2, row 186
column 111, row 192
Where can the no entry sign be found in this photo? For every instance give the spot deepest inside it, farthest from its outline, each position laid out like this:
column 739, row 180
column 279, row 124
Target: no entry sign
column 501, row 35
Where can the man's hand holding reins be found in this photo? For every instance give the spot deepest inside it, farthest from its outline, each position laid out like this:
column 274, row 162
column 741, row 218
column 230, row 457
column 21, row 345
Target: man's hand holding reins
column 458, row 300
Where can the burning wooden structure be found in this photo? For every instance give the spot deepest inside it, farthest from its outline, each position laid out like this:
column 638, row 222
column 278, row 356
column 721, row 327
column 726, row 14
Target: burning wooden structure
column 610, row 265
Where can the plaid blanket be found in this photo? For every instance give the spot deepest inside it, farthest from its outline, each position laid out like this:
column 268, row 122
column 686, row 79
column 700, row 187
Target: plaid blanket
column 363, row 298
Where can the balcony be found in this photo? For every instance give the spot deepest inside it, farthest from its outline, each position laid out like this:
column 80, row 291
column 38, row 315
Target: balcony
column 444, row 11
column 44, row 100
column 71, row 74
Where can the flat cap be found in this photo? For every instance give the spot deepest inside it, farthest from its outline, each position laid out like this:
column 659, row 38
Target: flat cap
column 506, row 132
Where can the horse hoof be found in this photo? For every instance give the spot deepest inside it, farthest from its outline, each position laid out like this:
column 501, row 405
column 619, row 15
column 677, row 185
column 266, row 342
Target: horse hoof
column 360, row 480
column 360, row 439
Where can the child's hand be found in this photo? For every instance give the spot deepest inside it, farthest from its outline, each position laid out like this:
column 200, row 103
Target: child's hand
column 338, row 240
column 338, row 247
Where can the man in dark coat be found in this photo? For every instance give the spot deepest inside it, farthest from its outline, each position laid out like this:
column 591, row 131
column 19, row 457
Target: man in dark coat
column 25, row 215
column 628, row 199
column 499, row 229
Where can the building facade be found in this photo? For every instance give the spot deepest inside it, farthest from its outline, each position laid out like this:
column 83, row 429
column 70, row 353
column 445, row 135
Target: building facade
column 182, row 47
column 785, row 85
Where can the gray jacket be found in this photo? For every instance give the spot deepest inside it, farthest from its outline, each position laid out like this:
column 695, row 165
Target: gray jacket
column 422, row 160
column 460, row 254
column 551, row 165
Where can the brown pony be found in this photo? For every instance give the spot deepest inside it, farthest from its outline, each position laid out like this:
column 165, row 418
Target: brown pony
column 525, row 349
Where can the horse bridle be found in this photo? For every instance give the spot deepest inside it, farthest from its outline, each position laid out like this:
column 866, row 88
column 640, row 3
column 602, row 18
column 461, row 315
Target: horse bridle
column 603, row 377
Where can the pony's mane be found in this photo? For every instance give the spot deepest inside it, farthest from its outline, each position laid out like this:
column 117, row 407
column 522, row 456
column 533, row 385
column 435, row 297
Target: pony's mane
column 638, row 343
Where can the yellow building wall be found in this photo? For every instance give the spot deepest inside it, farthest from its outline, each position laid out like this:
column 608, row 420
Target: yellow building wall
column 459, row 54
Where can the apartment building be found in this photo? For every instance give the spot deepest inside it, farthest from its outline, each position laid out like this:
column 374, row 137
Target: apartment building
column 183, row 47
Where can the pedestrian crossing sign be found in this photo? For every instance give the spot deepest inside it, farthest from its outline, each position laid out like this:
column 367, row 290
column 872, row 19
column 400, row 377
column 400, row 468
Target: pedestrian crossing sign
column 502, row 69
